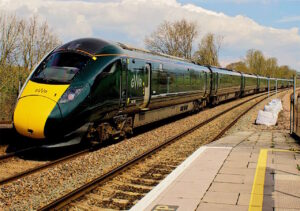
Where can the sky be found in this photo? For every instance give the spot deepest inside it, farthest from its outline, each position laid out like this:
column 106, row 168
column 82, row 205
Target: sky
column 271, row 26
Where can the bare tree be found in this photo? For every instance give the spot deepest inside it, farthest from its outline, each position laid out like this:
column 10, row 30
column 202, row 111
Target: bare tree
column 175, row 38
column 208, row 50
column 9, row 34
column 36, row 40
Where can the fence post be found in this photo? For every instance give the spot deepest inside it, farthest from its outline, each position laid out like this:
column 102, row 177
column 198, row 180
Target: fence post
column 276, row 88
column 291, row 116
column 268, row 87
column 294, row 104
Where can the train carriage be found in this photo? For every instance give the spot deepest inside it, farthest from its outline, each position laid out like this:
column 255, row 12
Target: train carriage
column 272, row 83
column 282, row 83
column 226, row 84
column 263, row 83
column 250, row 84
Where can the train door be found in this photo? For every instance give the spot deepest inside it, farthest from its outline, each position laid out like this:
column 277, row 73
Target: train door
column 243, row 83
column 124, row 84
column 216, row 83
column 146, row 86
column 139, row 75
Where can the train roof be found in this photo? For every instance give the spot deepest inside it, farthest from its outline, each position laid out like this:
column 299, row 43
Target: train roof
column 90, row 46
column 95, row 47
column 249, row 75
column 224, row 71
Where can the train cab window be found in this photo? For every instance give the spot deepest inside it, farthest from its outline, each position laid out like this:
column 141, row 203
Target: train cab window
column 108, row 80
column 110, row 69
column 60, row 67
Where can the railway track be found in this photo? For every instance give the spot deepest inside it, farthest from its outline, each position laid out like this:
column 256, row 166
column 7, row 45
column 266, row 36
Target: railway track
column 123, row 186
column 5, row 122
column 40, row 167
column 14, row 168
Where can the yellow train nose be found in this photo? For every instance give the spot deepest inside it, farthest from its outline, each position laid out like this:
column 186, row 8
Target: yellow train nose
column 31, row 114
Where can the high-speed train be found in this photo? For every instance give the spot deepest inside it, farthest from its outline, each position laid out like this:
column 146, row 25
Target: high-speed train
column 111, row 88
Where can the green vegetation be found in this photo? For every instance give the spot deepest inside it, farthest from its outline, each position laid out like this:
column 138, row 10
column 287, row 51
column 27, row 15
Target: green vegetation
column 10, row 80
column 256, row 63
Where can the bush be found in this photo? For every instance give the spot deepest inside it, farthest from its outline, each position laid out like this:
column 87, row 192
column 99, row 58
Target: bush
column 10, row 80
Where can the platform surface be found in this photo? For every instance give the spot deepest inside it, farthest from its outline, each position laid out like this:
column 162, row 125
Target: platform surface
column 243, row 171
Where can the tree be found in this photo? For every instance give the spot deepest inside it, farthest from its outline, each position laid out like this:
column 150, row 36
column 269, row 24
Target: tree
column 174, row 39
column 23, row 43
column 208, row 50
column 9, row 33
column 37, row 39
column 271, row 67
column 255, row 62
column 238, row 66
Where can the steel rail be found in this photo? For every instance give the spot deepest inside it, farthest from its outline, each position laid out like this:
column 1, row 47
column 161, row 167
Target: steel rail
column 69, row 197
column 5, row 122
column 19, row 152
column 43, row 166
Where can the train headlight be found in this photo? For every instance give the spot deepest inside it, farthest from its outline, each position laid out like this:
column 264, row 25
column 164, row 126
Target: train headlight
column 70, row 95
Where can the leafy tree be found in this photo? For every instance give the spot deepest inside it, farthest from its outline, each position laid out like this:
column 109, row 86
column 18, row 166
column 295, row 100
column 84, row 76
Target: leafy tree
column 208, row 50
column 256, row 63
column 238, row 66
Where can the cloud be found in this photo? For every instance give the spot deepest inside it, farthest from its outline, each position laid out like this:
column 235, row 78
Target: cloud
column 130, row 21
column 289, row 19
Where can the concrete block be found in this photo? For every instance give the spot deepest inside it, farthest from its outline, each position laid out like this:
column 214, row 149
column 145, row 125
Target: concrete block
column 220, row 197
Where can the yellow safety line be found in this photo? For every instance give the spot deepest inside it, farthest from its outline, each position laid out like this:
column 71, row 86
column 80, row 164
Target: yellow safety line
column 257, row 193
column 257, row 196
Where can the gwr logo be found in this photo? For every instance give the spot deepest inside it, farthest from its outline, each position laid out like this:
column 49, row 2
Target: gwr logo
column 41, row 90
column 136, row 82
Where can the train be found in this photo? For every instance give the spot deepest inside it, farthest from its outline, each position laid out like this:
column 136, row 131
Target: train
column 107, row 89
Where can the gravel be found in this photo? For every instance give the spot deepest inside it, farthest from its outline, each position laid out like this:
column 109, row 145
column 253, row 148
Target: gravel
column 247, row 122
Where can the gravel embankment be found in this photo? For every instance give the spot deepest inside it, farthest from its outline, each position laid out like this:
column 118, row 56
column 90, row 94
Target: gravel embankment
column 247, row 122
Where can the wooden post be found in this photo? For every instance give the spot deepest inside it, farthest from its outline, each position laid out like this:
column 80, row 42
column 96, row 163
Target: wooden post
column 294, row 104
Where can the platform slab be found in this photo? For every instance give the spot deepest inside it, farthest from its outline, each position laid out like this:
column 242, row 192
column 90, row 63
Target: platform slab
column 243, row 171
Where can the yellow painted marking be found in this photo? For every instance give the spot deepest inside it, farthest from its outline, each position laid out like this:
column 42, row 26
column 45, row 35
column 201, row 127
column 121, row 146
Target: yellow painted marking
column 257, row 194
column 34, row 106
column 256, row 200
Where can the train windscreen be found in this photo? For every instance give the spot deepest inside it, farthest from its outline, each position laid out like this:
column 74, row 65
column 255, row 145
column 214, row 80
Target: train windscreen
column 60, row 67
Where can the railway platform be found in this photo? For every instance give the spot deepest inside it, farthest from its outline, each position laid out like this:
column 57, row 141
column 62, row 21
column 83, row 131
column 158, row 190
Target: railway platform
column 247, row 170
